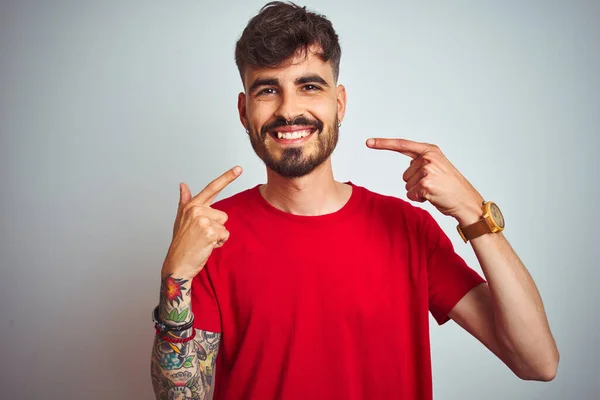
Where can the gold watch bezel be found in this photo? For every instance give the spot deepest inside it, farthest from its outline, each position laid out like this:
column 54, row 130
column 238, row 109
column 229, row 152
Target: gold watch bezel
column 489, row 218
column 460, row 232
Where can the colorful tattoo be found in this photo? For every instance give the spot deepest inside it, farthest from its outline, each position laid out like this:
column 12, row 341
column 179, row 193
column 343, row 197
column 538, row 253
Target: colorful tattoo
column 182, row 370
column 172, row 290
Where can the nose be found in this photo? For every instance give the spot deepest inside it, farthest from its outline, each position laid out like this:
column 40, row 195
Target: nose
column 290, row 106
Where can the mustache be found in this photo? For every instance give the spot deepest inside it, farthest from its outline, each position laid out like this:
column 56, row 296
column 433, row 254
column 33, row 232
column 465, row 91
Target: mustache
column 279, row 122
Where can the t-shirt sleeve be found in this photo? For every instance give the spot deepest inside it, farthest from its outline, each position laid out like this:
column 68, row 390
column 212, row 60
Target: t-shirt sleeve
column 204, row 303
column 449, row 277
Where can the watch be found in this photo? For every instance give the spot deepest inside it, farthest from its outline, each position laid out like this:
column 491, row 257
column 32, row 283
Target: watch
column 492, row 221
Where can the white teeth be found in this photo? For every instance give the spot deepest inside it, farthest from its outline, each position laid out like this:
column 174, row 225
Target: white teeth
column 293, row 135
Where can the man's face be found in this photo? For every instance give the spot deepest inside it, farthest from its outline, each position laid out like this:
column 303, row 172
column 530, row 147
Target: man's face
column 292, row 113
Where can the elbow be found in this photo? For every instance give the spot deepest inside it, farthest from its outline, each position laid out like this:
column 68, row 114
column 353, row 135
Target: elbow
column 548, row 375
column 551, row 367
column 551, row 370
column 545, row 375
column 546, row 372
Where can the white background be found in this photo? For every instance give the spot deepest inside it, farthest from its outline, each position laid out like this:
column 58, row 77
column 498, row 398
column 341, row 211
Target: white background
column 105, row 107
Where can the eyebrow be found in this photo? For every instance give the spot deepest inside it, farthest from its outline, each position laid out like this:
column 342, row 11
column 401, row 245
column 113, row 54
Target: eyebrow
column 314, row 78
column 263, row 82
column 311, row 79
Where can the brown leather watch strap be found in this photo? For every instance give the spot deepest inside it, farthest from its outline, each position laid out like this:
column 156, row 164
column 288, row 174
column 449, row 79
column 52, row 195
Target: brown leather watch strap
column 475, row 230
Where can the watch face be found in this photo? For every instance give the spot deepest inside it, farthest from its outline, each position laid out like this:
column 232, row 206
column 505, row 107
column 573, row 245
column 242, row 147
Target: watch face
column 497, row 215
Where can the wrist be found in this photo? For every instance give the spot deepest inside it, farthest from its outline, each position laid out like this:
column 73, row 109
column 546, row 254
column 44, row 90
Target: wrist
column 169, row 324
column 470, row 213
column 174, row 307
column 177, row 276
column 176, row 318
column 175, row 314
column 173, row 269
column 174, row 272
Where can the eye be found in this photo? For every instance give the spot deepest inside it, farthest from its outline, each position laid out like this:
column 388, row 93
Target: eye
column 266, row 91
column 311, row 88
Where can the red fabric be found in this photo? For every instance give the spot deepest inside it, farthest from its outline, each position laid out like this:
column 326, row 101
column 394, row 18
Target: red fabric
column 328, row 307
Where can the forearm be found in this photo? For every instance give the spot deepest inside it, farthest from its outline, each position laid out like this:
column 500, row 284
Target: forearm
column 520, row 321
column 176, row 372
column 185, row 370
column 181, row 370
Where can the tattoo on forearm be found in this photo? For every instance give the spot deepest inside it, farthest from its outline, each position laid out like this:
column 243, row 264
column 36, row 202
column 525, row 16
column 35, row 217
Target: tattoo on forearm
column 173, row 308
column 184, row 370
column 172, row 288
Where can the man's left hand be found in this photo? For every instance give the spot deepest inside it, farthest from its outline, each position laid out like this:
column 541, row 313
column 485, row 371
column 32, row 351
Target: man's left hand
column 432, row 177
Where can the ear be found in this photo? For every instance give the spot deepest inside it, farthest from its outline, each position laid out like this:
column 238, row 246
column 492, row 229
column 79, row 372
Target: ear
column 242, row 110
column 341, row 102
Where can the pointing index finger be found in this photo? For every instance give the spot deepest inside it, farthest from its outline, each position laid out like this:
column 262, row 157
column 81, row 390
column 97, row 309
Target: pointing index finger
column 212, row 190
column 403, row 146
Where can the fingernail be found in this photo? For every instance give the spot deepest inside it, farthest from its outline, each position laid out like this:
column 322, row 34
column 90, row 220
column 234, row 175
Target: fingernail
column 237, row 170
column 370, row 142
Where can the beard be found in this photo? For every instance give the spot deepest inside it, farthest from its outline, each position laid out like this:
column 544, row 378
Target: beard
column 296, row 161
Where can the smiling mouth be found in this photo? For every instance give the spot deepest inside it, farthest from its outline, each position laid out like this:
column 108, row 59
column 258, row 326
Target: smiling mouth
column 292, row 136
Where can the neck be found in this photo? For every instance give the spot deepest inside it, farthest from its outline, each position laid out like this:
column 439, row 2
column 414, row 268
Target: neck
column 314, row 194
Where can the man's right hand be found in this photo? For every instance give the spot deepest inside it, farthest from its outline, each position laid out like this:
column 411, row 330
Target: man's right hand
column 198, row 229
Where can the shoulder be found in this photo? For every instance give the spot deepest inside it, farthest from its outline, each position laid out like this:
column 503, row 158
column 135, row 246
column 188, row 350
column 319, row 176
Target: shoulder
column 393, row 206
column 417, row 222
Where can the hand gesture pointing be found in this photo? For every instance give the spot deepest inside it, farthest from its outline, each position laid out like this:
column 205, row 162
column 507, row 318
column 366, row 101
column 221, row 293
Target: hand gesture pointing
column 198, row 228
column 432, row 177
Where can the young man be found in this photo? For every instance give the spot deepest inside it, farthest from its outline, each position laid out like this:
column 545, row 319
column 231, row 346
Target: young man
column 309, row 288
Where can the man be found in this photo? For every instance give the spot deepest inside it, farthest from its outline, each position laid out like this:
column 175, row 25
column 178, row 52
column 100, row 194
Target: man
column 309, row 288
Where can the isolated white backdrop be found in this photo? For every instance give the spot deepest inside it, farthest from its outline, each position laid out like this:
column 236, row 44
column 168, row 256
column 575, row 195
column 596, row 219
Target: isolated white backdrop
column 106, row 106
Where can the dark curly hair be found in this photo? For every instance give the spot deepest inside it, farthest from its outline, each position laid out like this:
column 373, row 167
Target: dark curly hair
column 279, row 31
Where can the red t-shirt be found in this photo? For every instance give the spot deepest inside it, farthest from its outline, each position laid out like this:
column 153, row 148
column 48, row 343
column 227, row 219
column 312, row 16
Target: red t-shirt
column 328, row 307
